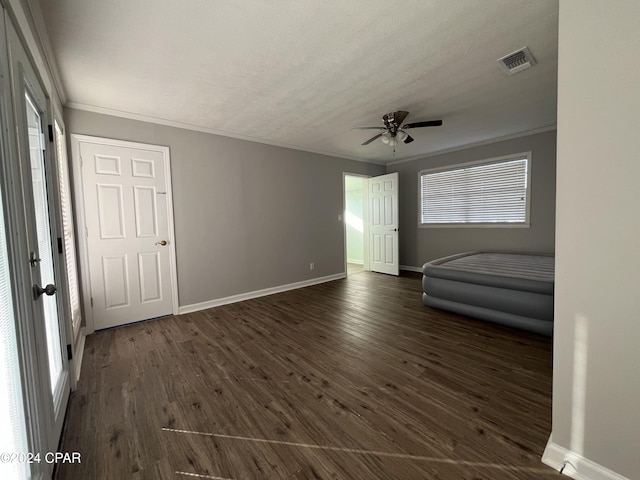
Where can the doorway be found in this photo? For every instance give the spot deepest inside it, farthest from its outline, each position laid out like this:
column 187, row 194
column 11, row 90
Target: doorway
column 354, row 219
column 371, row 224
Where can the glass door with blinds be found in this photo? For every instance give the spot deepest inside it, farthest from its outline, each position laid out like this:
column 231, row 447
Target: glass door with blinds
column 45, row 289
column 42, row 263
column 12, row 415
column 34, row 368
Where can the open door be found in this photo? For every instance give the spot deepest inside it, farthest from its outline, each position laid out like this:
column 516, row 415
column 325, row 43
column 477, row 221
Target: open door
column 383, row 224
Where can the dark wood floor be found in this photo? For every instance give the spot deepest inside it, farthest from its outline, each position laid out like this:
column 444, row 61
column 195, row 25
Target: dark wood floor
column 352, row 379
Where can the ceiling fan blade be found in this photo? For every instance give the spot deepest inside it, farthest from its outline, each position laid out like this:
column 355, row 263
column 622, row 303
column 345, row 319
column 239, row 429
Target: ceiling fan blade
column 372, row 139
column 368, row 128
column 409, row 139
column 399, row 116
column 429, row 123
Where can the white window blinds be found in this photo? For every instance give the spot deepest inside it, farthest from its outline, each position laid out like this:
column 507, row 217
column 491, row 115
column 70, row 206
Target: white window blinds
column 489, row 193
column 12, row 419
column 68, row 229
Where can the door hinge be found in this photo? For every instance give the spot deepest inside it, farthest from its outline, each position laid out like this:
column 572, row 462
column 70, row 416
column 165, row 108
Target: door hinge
column 51, row 133
column 69, row 354
column 60, row 249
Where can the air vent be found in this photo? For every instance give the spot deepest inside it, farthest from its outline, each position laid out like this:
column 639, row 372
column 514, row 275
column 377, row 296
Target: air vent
column 517, row 61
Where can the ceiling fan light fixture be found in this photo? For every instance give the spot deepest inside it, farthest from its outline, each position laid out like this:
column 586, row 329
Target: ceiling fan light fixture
column 393, row 133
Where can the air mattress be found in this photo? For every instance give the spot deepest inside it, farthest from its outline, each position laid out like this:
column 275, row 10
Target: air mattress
column 513, row 289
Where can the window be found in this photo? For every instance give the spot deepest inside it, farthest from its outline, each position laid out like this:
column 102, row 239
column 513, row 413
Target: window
column 487, row 193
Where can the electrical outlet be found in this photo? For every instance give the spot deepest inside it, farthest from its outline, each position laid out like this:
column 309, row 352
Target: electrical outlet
column 312, row 266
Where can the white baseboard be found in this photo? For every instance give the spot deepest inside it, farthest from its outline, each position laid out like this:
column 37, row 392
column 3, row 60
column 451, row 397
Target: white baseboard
column 354, row 261
column 411, row 269
column 258, row 293
column 577, row 467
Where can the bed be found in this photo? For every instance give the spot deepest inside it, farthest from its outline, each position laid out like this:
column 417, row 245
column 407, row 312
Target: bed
column 513, row 289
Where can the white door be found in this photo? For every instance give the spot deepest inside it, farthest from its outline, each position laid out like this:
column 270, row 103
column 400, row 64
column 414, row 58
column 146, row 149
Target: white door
column 383, row 224
column 128, row 229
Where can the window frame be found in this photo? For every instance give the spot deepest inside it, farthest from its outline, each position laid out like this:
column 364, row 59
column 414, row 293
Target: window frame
column 488, row 161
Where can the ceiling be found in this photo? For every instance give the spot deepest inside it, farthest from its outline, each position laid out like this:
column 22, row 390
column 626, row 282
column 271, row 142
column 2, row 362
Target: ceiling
column 302, row 73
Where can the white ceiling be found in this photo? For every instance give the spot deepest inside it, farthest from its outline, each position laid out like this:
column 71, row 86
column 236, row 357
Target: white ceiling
column 302, row 73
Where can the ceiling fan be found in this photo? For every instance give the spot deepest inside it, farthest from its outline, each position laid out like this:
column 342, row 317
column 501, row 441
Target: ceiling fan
column 393, row 131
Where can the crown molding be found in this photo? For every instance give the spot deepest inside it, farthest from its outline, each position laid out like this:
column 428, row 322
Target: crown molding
column 466, row 146
column 212, row 131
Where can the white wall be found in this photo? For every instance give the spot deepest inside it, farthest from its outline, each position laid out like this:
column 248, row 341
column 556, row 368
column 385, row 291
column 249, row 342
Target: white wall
column 596, row 390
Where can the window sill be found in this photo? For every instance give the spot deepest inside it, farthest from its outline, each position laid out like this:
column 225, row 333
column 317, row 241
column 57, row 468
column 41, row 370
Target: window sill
column 474, row 225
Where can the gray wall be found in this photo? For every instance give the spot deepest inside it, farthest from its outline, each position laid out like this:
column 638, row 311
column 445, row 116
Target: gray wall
column 596, row 387
column 419, row 245
column 247, row 216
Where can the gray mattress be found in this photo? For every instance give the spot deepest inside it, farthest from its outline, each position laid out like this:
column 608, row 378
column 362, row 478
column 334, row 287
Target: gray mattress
column 514, row 289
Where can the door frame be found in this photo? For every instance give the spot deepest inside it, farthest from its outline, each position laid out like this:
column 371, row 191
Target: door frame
column 81, row 224
column 365, row 220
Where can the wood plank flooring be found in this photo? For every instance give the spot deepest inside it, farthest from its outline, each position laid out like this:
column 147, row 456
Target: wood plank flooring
column 352, row 379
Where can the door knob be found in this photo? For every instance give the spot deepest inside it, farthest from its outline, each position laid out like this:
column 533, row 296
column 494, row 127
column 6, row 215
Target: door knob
column 48, row 290
column 161, row 242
